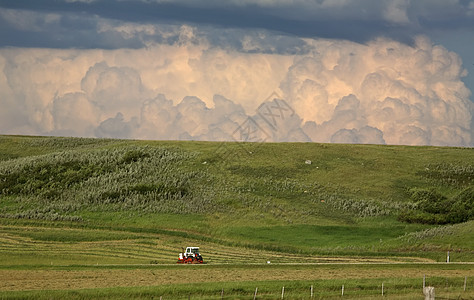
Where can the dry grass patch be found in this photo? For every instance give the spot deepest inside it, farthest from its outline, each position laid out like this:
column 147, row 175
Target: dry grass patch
column 103, row 277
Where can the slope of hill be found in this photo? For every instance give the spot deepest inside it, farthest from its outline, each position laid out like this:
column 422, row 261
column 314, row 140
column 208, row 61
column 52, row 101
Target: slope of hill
column 294, row 198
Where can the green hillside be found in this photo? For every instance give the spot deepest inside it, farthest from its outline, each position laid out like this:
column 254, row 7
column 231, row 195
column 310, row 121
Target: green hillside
column 286, row 199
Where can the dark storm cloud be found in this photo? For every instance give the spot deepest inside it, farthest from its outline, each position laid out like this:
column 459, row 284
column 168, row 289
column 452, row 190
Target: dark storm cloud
column 359, row 21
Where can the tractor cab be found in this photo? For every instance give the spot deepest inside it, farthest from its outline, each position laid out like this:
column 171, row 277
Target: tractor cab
column 192, row 251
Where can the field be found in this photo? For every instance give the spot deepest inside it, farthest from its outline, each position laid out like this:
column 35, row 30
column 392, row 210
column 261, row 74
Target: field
column 209, row 281
column 97, row 218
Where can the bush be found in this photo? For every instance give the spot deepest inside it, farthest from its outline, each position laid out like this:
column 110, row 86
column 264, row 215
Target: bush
column 434, row 208
column 463, row 206
column 430, row 201
column 423, row 217
column 134, row 156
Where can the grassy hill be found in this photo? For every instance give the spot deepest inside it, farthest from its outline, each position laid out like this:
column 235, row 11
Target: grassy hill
column 124, row 201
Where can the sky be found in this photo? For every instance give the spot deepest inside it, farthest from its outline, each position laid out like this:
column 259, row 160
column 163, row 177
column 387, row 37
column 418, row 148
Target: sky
column 332, row 71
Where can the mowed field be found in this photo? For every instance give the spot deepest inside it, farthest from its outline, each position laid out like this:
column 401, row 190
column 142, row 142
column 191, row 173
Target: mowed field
column 361, row 281
column 86, row 218
column 58, row 263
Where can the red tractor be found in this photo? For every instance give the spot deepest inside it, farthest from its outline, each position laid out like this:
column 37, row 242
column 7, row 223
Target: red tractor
column 190, row 256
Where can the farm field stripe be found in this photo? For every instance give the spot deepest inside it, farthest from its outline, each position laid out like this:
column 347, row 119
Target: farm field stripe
column 54, row 279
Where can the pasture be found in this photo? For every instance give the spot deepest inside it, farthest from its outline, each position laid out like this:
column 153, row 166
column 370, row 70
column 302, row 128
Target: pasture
column 87, row 218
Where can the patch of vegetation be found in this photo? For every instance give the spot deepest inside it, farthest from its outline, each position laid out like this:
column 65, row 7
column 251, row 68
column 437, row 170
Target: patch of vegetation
column 447, row 173
column 42, row 214
column 191, row 189
column 96, row 207
column 320, row 239
column 129, row 178
column 401, row 287
column 67, row 235
column 431, row 207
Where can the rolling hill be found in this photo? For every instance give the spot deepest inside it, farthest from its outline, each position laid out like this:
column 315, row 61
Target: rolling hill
column 129, row 201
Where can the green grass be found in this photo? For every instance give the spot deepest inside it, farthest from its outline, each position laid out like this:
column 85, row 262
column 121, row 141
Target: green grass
column 70, row 201
column 67, row 236
column 347, row 199
column 399, row 288
column 312, row 237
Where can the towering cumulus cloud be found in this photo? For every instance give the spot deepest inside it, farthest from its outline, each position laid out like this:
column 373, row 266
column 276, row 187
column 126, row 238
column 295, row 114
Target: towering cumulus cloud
column 381, row 92
column 334, row 91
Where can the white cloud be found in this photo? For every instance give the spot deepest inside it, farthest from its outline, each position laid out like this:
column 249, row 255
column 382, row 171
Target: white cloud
column 114, row 89
column 396, row 11
column 74, row 115
column 366, row 135
column 340, row 91
column 128, row 30
column 117, row 127
column 407, row 93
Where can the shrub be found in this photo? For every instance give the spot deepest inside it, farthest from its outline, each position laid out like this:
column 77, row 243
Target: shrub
column 463, row 206
column 134, row 156
column 423, row 217
column 430, row 201
column 434, row 208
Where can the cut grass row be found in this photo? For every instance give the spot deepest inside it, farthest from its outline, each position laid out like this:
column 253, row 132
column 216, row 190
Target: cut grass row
column 40, row 246
column 238, row 282
column 69, row 244
column 367, row 289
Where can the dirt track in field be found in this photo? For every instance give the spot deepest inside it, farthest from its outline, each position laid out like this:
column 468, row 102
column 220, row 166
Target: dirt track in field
column 15, row 280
